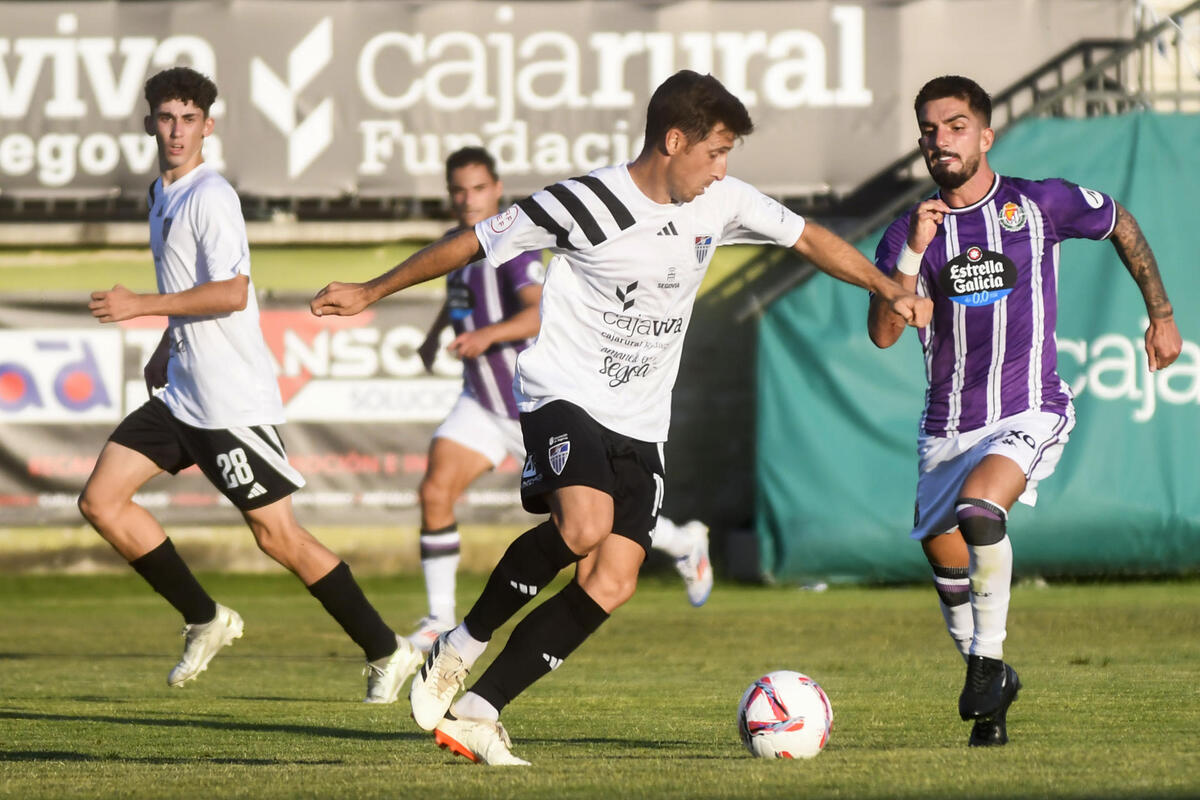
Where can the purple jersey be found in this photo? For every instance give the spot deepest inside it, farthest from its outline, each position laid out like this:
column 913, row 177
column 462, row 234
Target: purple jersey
column 478, row 295
column 992, row 273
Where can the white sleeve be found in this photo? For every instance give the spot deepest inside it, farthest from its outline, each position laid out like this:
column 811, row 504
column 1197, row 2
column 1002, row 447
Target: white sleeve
column 754, row 218
column 524, row 226
column 222, row 251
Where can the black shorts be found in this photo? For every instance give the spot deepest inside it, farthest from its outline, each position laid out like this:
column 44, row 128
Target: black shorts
column 566, row 447
column 248, row 464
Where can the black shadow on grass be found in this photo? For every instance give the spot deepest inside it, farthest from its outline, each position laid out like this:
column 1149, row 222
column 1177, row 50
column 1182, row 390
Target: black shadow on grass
column 66, row 755
column 653, row 744
column 65, row 654
column 303, row 730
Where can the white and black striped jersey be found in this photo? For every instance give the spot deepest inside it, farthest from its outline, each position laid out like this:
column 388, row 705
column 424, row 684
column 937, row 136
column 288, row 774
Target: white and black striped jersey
column 618, row 297
column 220, row 374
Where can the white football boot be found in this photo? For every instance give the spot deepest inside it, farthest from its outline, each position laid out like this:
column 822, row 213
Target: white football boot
column 484, row 741
column 201, row 643
column 428, row 629
column 695, row 567
column 436, row 683
column 386, row 675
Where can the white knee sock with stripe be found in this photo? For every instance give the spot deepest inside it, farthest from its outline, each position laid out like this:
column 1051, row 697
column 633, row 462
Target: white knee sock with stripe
column 953, row 588
column 990, row 550
column 439, row 562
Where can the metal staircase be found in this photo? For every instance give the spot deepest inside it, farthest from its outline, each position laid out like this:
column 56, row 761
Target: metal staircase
column 1153, row 70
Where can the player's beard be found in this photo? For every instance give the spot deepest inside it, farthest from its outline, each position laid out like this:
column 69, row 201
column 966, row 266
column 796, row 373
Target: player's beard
column 950, row 179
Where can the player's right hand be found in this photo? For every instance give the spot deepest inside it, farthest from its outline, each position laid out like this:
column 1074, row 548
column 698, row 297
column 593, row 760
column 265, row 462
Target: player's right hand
column 340, row 299
column 923, row 224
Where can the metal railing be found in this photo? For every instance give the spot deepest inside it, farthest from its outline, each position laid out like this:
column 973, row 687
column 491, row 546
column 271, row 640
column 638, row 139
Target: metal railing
column 1156, row 69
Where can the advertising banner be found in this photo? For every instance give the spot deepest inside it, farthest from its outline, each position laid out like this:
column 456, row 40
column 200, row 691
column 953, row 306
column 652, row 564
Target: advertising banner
column 837, row 461
column 326, row 99
column 360, row 406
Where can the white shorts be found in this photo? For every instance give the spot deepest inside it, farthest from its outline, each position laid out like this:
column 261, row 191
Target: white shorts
column 489, row 434
column 1032, row 439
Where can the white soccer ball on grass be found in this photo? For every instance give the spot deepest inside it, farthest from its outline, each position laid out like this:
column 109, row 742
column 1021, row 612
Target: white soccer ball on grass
column 784, row 714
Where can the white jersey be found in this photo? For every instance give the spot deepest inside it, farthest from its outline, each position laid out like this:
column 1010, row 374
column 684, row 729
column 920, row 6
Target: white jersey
column 617, row 302
column 220, row 373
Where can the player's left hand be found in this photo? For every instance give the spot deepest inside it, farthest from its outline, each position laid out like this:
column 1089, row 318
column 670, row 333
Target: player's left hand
column 340, row 299
column 470, row 344
column 117, row 304
column 1163, row 342
column 914, row 310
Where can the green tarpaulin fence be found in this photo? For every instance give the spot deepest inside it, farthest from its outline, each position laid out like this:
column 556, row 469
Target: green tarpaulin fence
column 837, row 418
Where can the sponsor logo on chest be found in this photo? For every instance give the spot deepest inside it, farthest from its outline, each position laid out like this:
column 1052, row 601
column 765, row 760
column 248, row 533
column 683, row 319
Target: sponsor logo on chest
column 978, row 277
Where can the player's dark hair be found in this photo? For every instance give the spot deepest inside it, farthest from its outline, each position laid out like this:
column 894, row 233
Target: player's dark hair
column 468, row 156
column 962, row 88
column 183, row 84
column 694, row 104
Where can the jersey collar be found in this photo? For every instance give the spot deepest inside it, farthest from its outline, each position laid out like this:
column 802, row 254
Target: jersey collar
column 192, row 175
column 991, row 192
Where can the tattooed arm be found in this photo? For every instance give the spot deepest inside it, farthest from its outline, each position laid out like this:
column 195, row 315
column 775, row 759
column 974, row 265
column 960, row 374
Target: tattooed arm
column 1163, row 342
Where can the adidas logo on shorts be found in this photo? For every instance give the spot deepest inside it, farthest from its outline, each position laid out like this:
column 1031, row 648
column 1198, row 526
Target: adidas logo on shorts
column 554, row 663
column 256, row 490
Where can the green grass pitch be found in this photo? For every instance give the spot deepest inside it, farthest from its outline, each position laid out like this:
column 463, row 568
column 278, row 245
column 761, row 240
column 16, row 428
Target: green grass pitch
column 1110, row 707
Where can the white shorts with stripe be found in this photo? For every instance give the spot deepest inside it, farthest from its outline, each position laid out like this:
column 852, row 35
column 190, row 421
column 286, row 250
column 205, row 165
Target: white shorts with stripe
column 1034, row 440
column 487, row 433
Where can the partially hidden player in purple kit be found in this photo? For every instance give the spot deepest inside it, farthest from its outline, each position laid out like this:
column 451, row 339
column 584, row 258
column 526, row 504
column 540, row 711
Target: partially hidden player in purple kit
column 494, row 315
column 997, row 414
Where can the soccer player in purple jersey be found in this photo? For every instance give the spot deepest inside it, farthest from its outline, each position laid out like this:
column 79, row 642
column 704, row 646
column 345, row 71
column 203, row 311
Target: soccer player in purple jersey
column 985, row 250
column 494, row 314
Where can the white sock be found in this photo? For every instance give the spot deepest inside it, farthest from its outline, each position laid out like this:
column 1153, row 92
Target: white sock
column 472, row 706
column 468, row 647
column 960, row 624
column 439, row 562
column 670, row 538
column 991, row 580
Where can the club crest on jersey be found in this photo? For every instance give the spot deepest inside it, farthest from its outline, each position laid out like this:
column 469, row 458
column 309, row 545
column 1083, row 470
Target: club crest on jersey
column 559, row 453
column 1012, row 217
column 703, row 245
column 978, row 277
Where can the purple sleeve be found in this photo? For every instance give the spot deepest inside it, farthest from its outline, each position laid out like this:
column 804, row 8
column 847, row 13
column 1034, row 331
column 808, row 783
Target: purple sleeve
column 1074, row 212
column 890, row 244
column 524, row 270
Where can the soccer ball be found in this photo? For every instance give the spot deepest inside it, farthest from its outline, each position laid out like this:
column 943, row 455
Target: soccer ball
column 784, row 714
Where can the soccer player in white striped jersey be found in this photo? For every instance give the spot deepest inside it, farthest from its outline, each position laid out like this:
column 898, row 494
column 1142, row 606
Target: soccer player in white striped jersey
column 997, row 415
column 634, row 241
column 495, row 317
column 220, row 405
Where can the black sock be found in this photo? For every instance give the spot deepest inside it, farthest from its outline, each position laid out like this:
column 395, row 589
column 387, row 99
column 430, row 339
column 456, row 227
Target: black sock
column 168, row 575
column 345, row 602
column 540, row 643
column 529, row 563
